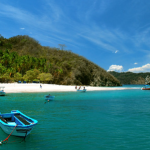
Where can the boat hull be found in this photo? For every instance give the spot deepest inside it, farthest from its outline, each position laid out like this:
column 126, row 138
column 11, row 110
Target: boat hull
column 145, row 89
column 49, row 98
column 2, row 93
column 81, row 90
column 18, row 131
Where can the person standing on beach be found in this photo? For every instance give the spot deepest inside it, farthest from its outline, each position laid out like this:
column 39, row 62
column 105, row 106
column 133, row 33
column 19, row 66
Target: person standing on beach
column 40, row 86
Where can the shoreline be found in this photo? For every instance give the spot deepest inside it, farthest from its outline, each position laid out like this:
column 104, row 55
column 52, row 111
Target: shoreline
column 35, row 88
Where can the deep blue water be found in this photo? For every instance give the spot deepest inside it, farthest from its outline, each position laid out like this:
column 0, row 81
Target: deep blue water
column 100, row 120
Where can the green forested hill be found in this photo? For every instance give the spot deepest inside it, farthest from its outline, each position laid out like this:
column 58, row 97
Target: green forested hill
column 130, row 77
column 23, row 58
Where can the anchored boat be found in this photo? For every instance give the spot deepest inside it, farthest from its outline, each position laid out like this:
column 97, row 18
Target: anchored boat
column 145, row 87
column 49, row 97
column 2, row 93
column 84, row 90
column 16, row 123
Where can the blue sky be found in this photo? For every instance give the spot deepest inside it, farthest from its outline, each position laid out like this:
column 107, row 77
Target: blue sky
column 114, row 34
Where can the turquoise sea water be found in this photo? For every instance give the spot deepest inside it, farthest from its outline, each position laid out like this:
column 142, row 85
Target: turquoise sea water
column 101, row 120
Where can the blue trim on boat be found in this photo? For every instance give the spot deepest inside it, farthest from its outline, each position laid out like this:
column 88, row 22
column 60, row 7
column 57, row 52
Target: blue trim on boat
column 24, row 123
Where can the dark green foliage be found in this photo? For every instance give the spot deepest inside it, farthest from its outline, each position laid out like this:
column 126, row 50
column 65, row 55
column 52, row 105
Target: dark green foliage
column 66, row 68
column 130, row 77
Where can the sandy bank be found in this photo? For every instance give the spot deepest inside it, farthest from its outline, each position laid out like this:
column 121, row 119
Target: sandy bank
column 35, row 87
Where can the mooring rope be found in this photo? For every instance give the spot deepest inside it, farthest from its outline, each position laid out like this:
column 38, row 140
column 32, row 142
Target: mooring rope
column 9, row 135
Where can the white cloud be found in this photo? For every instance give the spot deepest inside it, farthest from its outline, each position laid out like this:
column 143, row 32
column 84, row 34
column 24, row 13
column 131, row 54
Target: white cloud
column 28, row 18
column 54, row 18
column 144, row 68
column 100, row 35
column 22, row 28
column 135, row 63
column 116, row 51
column 115, row 68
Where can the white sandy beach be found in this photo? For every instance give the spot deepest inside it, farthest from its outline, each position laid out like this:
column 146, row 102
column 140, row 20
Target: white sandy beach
column 35, row 87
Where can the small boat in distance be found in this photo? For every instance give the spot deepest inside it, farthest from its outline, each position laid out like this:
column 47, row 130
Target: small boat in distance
column 16, row 123
column 79, row 89
column 49, row 97
column 2, row 93
column 84, row 90
column 145, row 87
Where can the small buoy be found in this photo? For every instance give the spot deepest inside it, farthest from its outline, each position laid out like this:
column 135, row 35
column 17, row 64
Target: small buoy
column 1, row 143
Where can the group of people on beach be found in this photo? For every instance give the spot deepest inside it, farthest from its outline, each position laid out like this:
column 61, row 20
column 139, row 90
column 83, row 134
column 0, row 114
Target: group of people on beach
column 79, row 87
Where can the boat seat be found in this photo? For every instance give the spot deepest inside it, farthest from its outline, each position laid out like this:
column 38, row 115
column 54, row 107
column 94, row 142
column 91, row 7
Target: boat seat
column 1, row 118
column 22, row 120
column 12, row 123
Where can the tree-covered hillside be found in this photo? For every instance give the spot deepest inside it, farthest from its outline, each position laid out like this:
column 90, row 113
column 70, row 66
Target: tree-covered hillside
column 130, row 77
column 22, row 56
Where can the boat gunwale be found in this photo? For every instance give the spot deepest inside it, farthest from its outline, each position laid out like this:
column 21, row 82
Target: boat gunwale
column 22, row 124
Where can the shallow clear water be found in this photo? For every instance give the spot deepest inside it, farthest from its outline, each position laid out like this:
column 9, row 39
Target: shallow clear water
column 83, row 121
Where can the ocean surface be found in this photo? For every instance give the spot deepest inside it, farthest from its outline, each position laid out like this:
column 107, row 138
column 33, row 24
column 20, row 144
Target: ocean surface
column 100, row 120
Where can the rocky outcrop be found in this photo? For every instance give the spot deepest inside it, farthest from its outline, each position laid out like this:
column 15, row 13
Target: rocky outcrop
column 132, row 78
column 147, row 80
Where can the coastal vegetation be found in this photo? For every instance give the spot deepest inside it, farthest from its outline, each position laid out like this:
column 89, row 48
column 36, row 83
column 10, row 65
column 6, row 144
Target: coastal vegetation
column 130, row 77
column 23, row 58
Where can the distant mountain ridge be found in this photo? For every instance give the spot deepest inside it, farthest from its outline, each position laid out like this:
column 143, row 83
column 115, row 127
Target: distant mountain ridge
column 65, row 67
column 130, row 77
